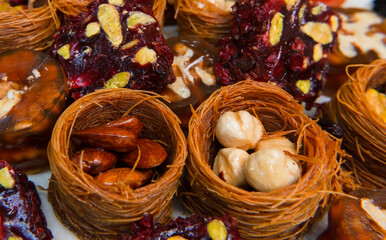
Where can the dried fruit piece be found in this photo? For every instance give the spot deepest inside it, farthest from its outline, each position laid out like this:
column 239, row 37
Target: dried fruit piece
column 94, row 161
column 108, row 17
column 92, row 61
column 129, row 122
column 111, row 138
column 20, row 213
column 271, row 41
column 320, row 32
column 152, row 154
column 126, row 176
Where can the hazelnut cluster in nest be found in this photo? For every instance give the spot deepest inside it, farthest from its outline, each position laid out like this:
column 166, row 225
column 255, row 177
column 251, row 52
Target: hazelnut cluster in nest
column 74, row 7
column 202, row 18
column 96, row 211
column 30, row 28
column 364, row 129
column 278, row 214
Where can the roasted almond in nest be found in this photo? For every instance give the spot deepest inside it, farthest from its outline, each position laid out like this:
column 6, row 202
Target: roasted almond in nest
column 130, row 122
column 132, row 177
column 149, row 154
column 111, row 138
column 94, row 161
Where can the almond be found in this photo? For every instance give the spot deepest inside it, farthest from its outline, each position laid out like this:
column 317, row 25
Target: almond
column 134, row 178
column 94, row 161
column 111, row 138
column 129, row 122
column 152, row 154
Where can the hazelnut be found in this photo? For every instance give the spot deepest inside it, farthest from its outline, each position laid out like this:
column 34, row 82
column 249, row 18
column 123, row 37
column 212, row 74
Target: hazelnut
column 278, row 142
column 239, row 130
column 270, row 169
column 229, row 165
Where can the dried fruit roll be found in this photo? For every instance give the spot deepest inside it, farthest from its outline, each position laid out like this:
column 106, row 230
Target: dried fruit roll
column 20, row 213
column 115, row 44
column 283, row 42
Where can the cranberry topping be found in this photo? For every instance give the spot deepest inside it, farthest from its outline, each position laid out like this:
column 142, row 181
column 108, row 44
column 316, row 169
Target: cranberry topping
column 192, row 227
column 280, row 42
column 92, row 58
column 20, row 214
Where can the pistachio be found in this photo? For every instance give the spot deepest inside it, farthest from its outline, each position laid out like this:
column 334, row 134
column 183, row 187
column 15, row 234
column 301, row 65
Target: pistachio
column 276, row 29
column 318, row 52
column 291, row 3
column 217, row 230
column 6, row 179
column 64, row 51
column 130, row 44
column 116, row 2
column 319, row 9
column 334, row 22
column 146, row 55
column 119, row 80
column 304, row 85
column 92, row 29
column 108, row 17
column 319, row 32
column 301, row 13
column 177, row 238
column 137, row 17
